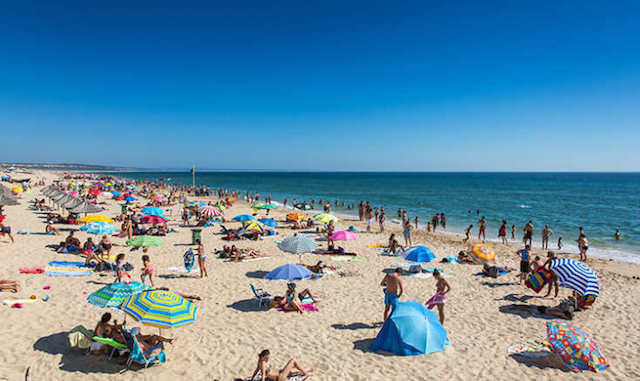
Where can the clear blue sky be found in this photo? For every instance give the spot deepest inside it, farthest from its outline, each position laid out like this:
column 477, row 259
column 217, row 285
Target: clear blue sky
column 370, row 85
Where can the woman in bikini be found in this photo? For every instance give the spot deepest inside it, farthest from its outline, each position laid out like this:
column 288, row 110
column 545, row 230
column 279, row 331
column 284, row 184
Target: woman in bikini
column 293, row 368
column 202, row 257
column 439, row 298
column 147, row 270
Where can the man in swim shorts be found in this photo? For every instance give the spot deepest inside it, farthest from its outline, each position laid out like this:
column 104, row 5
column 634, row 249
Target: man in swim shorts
column 392, row 292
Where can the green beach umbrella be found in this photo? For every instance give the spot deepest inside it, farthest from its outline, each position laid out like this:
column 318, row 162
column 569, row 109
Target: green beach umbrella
column 325, row 218
column 114, row 294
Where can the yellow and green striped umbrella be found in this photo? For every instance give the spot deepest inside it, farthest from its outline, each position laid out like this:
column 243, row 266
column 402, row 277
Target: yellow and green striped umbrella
column 162, row 309
column 325, row 218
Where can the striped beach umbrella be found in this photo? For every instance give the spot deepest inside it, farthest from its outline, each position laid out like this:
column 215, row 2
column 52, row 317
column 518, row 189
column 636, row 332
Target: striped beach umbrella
column 482, row 253
column 263, row 206
column 576, row 276
column 209, row 211
column 162, row 309
column 114, row 294
column 297, row 244
column 325, row 218
column 253, row 227
column 576, row 348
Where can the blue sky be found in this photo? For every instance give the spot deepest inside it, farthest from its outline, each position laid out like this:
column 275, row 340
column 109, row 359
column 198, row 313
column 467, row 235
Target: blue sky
column 425, row 85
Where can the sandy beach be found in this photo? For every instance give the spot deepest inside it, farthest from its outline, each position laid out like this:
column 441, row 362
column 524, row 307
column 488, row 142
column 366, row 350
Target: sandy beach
column 231, row 329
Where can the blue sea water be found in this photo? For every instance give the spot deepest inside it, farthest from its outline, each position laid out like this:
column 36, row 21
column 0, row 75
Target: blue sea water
column 599, row 202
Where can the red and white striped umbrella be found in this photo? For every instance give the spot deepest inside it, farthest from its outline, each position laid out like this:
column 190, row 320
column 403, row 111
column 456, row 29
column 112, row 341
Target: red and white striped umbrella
column 209, row 211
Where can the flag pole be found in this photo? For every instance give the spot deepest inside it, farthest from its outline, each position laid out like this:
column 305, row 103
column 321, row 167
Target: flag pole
column 193, row 175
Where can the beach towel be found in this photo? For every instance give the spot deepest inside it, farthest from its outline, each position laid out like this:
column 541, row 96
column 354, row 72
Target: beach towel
column 501, row 272
column 11, row 302
column 31, row 270
column 67, row 271
column 183, row 270
column 247, row 259
column 348, row 259
column 41, row 233
column 537, row 281
column 376, row 246
column 80, row 337
column 450, row 259
column 389, row 254
column 306, row 307
column 69, row 264
column 530, row 349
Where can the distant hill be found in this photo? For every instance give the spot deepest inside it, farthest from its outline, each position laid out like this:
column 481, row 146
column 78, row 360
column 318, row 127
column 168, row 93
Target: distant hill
column 63, row 166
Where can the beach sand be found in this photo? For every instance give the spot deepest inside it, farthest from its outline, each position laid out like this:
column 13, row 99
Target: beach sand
column 231, row 330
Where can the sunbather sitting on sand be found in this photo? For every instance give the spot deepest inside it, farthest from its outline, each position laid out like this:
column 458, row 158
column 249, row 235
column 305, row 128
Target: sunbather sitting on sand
column 153, row 344
column 10, row 285
column 293, row 368
column 50, row 228
column 291, row 300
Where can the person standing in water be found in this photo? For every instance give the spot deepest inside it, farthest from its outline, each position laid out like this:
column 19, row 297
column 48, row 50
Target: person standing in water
column 559, row 243
column 482, row 229
column 467, row 232
column 617, row 235
column 513, row 231
column 502, row 232
column 546, row 234
column 443, row 221
column 528, row 234
column 415, row 221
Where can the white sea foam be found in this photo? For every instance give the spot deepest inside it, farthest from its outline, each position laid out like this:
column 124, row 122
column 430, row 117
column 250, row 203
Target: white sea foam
column 523, row 206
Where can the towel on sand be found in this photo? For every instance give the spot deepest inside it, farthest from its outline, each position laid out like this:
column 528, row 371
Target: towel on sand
column 306, row 307
column 79, row 337
column 67, row 271
column 292, row 378
column 183, row 270
column 31, row 270
column 68, row 264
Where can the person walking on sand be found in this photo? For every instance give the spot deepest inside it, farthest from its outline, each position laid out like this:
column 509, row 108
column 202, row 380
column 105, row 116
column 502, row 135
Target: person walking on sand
column 528, row 233
column 382, row 218
column 502, row 232
column 482, row 229
column 546, row 234
column 392, row 291
column 524, row 262
column 467, row 233
column 439, row 298
column 406, row 232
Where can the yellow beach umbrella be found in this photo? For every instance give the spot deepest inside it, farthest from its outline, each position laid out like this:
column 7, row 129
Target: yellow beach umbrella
column 17, row 190
column 96, row 218
column 325, row 218
column 482, row 253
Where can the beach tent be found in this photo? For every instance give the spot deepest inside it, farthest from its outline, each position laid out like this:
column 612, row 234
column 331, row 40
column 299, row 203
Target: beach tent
column 411, row 330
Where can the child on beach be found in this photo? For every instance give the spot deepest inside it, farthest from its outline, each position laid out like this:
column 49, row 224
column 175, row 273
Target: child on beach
column 524, row 262
column 467, row 232
column 120, row 268
column 201, row 259
column 559, row 243
column 439, row 298
column 147, row 270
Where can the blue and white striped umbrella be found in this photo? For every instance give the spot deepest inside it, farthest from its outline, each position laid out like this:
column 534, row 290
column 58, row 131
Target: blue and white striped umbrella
column 576, row 276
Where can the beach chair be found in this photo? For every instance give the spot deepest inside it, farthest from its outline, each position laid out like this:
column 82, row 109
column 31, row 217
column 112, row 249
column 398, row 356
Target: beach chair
column 136, row 355
column 260, row 295
column 110, row 342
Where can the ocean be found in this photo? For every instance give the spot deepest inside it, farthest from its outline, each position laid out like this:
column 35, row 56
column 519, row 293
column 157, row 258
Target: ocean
column 599, row 202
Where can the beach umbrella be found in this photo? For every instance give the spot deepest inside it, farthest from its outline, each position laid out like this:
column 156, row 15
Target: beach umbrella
column 295, row 216
column 421, row 254
column 343, row 235
column 153, row 219
column 158, row 198
column 325, row 218
column 263, row 206
column 303, row 206
column 411, row 329
column 6, row 200
column 152, row 211
column 482, row 253
column 114, row 294
column 253, row 227
column 98, row 227
column 144, row 241
column 297, row 244
column 129, row 198
column 576, row 348
column 162, row 309
column 95, row 218
column 73, row 192
column 71, row 204
column 17, row 190
column 64, row 199
column 94, row 191
column 576, row 276
column 58, row 196
column 1, row 218
column 116, row 193
column 87, row 207
column 289, row 272
column 269, row 222
column 243, row 217
column 209, row 211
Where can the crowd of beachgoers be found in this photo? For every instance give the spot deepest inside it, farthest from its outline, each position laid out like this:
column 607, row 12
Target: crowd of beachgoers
column 136, row 273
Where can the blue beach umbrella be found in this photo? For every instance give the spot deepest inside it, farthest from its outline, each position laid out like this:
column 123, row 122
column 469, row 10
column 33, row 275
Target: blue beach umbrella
column 115, row 193
column 152, row 211
column 576, row 276
column 421, row 254
column 98, row 227
column 243, row 217
column 412, row 329
column 289, row 272
column 129, row 199
column 269, row 222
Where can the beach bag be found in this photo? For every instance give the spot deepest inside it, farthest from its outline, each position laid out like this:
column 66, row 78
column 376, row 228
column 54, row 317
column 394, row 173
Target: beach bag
column 537, row 281
column 188, row 259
